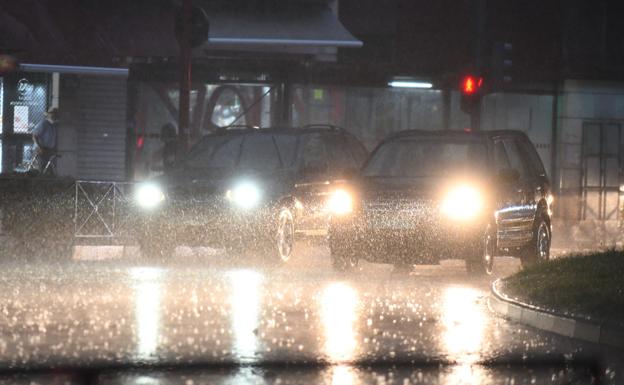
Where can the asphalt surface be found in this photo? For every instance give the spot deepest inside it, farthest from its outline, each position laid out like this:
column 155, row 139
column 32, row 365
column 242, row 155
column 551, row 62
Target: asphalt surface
column 199, row 309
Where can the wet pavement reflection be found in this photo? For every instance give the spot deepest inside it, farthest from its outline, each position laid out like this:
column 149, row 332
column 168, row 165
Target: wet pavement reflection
column 147, row 291
column 334, row 328
column 330, row 375
column 339, row 304
column 464, row 322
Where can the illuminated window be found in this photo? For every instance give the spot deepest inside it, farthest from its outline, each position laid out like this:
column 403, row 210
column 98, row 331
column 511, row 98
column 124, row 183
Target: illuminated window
column 228, row 108
column 20, row 119
column 24, row 104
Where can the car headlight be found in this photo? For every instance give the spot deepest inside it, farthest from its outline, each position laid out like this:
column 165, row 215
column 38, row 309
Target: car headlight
column 463, row 202
column 149, row 196
column 245, row 195
column 340, row 202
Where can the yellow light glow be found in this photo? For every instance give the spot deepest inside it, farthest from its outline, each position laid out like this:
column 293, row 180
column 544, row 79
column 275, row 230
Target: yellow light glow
column 149, row 196
column 338, row 309
column 340, row 202
column 343, row 375
column 464, row 323
column 463, row 202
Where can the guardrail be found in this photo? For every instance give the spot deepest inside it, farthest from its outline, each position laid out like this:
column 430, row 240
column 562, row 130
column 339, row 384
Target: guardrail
column 102, row 209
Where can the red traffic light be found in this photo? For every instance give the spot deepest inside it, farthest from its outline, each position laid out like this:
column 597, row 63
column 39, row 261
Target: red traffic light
column 470, row 84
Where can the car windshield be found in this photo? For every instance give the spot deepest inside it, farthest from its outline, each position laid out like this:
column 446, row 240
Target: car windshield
column 258, row 151
column 420, row 158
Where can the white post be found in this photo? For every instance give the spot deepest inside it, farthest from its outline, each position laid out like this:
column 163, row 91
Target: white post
column 55, row 89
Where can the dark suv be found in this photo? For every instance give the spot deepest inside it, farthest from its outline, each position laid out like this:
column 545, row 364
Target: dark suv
column 247, row 189
column 424, row 196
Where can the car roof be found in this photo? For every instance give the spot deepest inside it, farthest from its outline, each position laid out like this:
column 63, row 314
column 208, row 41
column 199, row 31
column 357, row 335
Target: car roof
column 311, row 128
column 487, row 135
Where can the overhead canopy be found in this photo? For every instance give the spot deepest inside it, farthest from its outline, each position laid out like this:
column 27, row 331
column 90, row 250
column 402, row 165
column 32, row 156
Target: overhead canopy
column 100, row 33
column 312, row 25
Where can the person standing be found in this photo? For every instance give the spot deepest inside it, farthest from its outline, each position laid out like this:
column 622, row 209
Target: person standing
column 44, row 137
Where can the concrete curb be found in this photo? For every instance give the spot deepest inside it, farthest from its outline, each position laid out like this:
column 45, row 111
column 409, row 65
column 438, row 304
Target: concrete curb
column 555, row 323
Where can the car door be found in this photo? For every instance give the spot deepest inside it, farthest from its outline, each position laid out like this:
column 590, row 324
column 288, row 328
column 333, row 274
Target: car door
column 540, row 184
column 516, row 206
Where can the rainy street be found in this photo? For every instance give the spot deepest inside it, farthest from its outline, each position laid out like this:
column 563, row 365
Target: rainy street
column 199, row 307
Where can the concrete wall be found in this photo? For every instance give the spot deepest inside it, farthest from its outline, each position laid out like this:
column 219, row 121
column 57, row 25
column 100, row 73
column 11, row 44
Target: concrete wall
column 582, row 102
column 590, row 104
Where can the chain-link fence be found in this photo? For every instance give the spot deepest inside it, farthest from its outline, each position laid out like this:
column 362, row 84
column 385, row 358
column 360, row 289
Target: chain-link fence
column 102, row 209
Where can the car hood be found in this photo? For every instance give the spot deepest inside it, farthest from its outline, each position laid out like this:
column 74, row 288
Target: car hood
column 422, row 189
column 205, row 183
column 398, row 188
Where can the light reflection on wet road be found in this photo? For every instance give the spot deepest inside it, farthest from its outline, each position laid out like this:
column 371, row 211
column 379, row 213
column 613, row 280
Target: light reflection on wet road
column 206, row 309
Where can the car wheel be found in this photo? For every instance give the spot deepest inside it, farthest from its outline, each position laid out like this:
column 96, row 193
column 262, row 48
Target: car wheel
column 342, row 258
column 539, row 249
column 285, row 237
column 483, row 262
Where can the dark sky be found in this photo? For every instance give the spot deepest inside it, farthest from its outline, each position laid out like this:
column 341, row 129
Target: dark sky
column 438, row 37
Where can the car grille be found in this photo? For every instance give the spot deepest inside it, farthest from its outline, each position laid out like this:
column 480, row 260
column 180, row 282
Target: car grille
column 398, row 213
column 398, row 205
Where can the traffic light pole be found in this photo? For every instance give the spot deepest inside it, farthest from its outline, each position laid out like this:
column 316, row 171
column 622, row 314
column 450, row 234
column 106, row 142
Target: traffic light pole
column 475, row 117
column 184, row 79
column 480, row 17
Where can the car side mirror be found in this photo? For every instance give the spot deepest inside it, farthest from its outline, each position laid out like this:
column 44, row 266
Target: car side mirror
column 508, row 175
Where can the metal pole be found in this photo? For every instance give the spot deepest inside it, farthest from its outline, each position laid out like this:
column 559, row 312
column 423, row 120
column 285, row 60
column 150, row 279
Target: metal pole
column 475, row 117
column 284, row 104
column 480, row 19
column 185, row 80
column 554, row 139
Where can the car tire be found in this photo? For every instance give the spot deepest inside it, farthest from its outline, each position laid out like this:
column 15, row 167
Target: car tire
column 342, row 258
column 284, row 243
column 483, row 262
column 538, row 250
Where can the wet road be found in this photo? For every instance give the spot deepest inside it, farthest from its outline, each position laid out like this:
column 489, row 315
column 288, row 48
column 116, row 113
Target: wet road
column 202, row 308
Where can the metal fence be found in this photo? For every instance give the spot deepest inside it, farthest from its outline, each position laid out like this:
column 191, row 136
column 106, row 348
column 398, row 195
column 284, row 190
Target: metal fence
column 102, row 209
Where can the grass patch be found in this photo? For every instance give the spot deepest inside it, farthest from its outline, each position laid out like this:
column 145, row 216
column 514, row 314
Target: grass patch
column 585, row 285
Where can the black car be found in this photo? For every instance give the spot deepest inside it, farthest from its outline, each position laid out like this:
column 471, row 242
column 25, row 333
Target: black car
column 248, row 189
column 424, row 196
